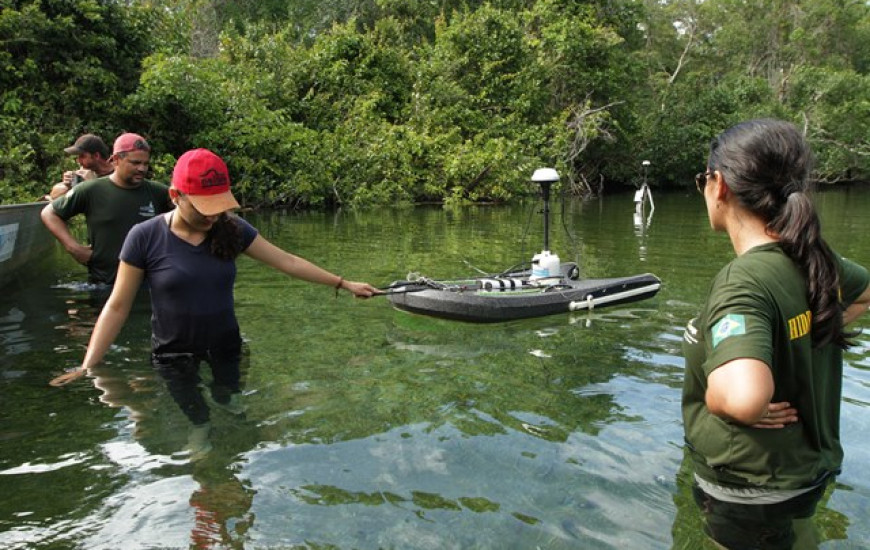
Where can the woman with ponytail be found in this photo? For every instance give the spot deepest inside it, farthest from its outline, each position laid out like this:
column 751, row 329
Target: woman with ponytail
column 764, row 359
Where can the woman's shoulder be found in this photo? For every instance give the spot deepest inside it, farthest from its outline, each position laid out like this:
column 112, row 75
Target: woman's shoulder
column 248, row 230
column 235, row 217
column 757, row 270
column 761, row 261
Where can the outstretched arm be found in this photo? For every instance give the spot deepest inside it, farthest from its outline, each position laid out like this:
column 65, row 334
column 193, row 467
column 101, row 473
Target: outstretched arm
column 266, row 252
column 58, row 227
column 112, row 318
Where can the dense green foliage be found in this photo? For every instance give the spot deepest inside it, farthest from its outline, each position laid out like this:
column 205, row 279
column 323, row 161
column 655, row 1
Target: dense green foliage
column 319, row 103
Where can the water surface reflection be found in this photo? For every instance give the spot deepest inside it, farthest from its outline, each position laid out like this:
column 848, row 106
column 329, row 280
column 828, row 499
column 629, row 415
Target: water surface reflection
column 372, row 428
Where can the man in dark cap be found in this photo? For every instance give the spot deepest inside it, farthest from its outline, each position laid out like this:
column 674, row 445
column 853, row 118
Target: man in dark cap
column 92, row 156
column 111, row 206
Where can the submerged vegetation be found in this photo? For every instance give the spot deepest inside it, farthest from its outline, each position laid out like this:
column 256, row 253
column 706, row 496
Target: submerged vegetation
column 316, row 103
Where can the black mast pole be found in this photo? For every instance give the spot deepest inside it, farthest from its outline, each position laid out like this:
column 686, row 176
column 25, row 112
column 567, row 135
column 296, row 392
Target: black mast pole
column 545, row 192
column 546, row 177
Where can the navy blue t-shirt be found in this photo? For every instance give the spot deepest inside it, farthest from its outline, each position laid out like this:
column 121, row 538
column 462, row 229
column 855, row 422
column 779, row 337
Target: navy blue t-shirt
column 191, row 289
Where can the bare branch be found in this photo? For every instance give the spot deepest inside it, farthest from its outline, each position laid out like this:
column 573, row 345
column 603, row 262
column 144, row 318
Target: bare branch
column 586, row 124
column 685, row 53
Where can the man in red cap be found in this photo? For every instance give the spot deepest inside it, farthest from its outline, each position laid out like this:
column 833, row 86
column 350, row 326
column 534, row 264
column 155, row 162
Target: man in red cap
column 92, row 155
column 111, row 206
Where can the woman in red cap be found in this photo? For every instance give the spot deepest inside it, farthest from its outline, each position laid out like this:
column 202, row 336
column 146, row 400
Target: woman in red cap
column 187, row 256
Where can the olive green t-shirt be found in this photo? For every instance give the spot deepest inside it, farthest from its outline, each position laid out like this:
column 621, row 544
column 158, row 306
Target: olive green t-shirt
column 757, row 308
column 110, row 211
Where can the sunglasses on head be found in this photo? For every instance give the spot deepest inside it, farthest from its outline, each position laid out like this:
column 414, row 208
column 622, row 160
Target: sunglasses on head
column 701, row 180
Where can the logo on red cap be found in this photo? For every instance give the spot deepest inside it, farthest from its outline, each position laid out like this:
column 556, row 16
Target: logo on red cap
column 204, row 178
column 214, row 178
column 201, row 172
column 130, row 142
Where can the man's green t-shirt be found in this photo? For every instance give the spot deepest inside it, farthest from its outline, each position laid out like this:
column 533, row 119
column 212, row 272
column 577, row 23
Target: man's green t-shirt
column 757, row 308
column 110, row 211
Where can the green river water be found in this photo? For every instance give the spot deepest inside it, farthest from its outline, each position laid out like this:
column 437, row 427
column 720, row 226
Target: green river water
column 367, row 427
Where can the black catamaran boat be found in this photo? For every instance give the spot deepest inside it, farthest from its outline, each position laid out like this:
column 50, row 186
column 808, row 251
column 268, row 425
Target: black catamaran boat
column 549, row 287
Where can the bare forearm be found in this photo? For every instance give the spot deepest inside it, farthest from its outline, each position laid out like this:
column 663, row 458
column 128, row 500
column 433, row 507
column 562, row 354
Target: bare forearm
column 114, row 313
column 857, row 308
column 264, row 251
column 106, row 330
column 108, row 326
column 295, row 266
column 308, row 271
column 58, row 227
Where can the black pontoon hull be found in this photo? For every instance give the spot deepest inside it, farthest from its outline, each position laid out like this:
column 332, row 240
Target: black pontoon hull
column 489, row 305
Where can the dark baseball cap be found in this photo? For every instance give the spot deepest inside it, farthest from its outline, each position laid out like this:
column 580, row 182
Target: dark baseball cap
column 88, row 143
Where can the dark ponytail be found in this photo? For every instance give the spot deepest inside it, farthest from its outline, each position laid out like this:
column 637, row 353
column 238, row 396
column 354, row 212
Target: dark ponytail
column 766, row 164
column 225, row 237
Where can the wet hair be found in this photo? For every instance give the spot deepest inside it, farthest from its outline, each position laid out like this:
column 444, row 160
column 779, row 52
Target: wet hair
column 225, row 237
column 767, row 163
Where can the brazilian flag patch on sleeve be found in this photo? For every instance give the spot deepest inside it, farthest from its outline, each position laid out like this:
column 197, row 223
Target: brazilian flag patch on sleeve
column 731, row 325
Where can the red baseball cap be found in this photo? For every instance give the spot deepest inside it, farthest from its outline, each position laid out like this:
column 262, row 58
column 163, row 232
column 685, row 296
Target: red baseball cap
column 130, row 142
column 204, row 178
